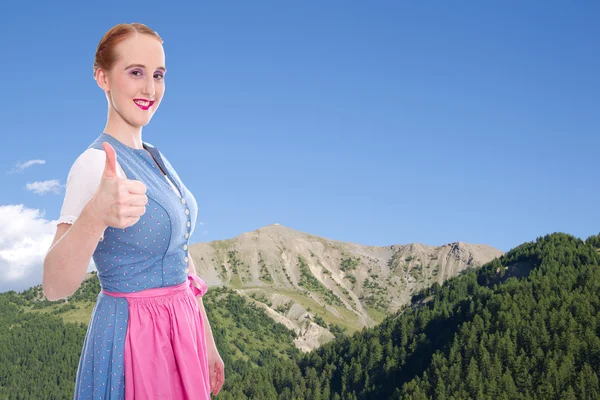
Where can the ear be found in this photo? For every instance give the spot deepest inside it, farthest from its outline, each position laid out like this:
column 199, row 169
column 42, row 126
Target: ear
column 102, row 80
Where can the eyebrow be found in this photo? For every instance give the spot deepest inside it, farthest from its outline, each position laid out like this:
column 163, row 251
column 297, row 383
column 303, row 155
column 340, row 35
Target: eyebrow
column 143, row 66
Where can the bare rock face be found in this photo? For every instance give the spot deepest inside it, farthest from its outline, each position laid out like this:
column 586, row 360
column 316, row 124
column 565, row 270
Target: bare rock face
column 307, row 282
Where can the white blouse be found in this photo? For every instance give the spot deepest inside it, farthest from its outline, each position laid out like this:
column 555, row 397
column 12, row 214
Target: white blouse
column 82, row 182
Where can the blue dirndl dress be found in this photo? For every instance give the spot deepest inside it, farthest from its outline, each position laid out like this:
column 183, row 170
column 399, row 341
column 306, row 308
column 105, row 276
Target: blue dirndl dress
column 151, row 254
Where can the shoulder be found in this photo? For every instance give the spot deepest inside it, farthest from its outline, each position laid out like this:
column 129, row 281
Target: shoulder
column 91, row 163
column 90, row 155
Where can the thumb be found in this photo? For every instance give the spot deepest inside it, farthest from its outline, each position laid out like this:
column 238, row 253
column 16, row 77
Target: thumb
column 110, row 167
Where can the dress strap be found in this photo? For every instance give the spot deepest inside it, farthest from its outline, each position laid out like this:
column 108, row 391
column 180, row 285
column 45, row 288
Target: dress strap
column 203, row 286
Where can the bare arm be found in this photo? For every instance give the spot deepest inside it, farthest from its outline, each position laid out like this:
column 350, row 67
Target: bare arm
column 210, row 341
column 216, row 366
column 67, row 259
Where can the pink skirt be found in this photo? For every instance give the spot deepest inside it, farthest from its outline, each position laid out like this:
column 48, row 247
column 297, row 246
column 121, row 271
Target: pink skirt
column 165, row 344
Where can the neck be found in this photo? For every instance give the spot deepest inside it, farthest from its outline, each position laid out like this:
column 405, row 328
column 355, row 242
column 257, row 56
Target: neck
column 126, row 133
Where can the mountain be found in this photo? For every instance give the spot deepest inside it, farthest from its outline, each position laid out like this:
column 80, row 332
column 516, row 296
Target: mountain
column 524, row 326
column 319, row 287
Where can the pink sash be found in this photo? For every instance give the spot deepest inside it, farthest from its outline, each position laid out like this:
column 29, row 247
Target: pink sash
column 165, row 345
column 154, row 292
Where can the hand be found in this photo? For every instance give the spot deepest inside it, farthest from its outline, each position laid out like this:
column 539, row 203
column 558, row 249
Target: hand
column 216, row 370
column 118, row 202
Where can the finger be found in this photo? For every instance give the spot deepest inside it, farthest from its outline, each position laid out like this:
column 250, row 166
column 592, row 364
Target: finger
column 220, row 381
column 133, row 211
column 138, row 200
column 110, row 165
column 135, row 187
column 213, row 380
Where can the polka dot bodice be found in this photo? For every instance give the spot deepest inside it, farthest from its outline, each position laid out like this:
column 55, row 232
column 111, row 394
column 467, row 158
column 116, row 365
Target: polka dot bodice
column 153, row 252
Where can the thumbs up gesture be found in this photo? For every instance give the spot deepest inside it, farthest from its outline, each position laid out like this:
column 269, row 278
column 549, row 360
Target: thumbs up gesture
column 118, row 202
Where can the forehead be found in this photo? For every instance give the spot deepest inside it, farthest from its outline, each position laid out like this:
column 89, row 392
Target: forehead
column 141, row 49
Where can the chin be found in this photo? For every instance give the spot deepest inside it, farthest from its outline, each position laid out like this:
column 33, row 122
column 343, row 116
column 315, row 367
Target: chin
column 145, row 121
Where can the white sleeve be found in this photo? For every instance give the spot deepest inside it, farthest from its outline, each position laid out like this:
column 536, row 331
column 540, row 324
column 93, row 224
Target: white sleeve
column 82, row 183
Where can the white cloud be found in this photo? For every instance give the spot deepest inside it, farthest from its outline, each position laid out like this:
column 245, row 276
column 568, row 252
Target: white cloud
column 25, row 237
column 21, row 166
column 44, row 187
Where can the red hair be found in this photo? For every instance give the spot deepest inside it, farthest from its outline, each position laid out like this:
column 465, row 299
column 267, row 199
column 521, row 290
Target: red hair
column 106, row 54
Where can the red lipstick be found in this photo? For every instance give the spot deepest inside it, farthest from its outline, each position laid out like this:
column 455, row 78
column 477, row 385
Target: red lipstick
column 143, row 103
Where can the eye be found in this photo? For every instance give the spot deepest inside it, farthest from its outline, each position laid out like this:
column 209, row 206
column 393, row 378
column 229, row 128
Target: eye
column 159, row 75
column 136, row 71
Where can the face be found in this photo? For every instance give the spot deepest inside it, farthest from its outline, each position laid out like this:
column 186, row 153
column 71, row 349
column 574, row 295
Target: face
column 135, row 85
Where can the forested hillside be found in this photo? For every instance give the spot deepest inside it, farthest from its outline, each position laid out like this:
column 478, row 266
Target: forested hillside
column 484, row 335
column 524, row 326
column 39, row 351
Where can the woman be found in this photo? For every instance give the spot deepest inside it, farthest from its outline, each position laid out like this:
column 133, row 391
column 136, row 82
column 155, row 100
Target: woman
column 125, row 206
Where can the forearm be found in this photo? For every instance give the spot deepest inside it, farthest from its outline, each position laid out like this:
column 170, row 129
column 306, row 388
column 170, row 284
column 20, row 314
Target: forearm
column 67, row 260
column 210, row 341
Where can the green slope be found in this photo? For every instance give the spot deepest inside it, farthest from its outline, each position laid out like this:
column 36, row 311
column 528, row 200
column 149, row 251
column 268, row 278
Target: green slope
column 41, row 341
column 529, row 331
column 525, row 326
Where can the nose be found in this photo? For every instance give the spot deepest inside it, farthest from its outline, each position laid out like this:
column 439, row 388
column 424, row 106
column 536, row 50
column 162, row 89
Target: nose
column 148, row 87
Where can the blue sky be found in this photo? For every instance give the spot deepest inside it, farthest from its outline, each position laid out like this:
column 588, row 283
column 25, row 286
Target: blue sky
column 371, row 122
